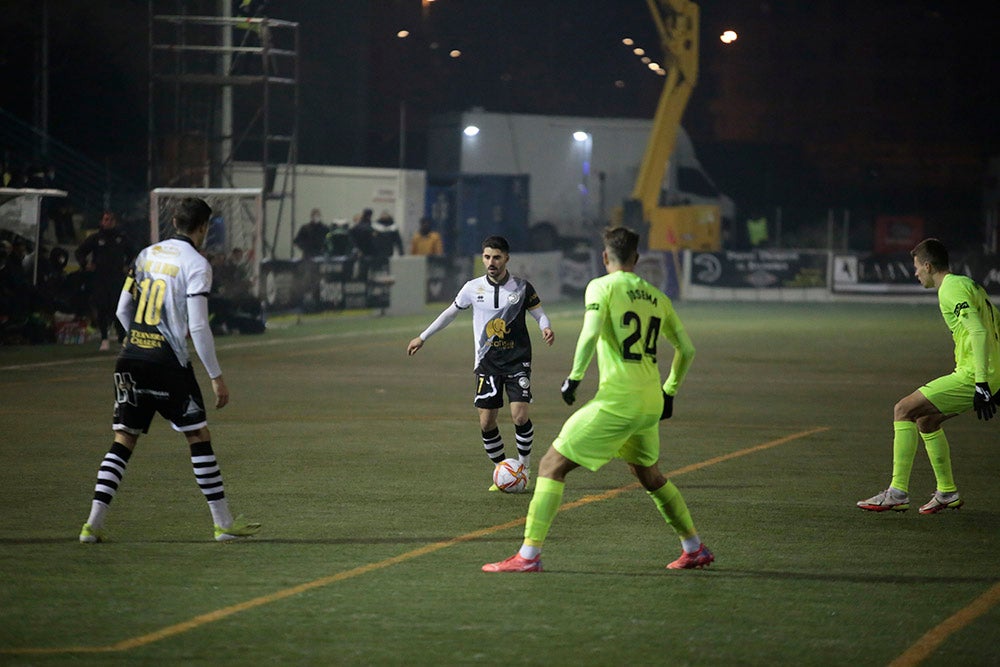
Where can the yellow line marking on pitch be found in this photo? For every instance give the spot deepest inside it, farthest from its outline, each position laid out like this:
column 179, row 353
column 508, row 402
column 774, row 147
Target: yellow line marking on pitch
column 219, row 614
column 937, row 635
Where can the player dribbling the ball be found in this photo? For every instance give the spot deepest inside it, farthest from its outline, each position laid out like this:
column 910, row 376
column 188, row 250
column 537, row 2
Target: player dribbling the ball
column 499, row 303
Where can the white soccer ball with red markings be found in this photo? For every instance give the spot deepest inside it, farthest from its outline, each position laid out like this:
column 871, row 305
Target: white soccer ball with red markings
column 510, row 476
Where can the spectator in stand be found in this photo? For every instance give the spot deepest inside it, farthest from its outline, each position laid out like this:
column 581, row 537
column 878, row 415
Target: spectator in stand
column 18, row 297
column 52, row 281
column 62, row 218
column 231, row 303
column 311, row 237
column 20, row 258
column 7, row 177
column 426, row 241
column 387, row 239
column 338, row 239
column 38, row 177
column 363, row 234
column 6, row 289
column 230, row 277
column 14, row 298
column 105, row 256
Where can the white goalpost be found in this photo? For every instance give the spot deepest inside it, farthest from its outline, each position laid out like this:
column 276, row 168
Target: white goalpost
column 237, row 223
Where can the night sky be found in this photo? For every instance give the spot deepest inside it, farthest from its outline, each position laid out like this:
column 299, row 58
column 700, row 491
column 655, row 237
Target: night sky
column 804, row 76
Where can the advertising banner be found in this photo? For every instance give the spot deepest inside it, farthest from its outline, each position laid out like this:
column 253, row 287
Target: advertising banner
column 893, row 274
column 760, row 268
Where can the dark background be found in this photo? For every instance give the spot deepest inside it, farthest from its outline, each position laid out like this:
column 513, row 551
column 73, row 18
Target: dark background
column 886, row 107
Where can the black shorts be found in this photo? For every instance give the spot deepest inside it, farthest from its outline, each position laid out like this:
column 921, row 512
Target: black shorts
column 489, row 389
column 142, row 389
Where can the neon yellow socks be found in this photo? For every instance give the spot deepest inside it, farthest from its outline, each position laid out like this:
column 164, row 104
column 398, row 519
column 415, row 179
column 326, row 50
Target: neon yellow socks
column 548, row 496
column 904, row 449
column 675, row 512
column 939, row 453
column 542, row 510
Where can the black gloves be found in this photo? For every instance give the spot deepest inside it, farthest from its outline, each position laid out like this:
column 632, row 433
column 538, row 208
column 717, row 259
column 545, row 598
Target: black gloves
column 668, row 406
column 568, row 390
column 982, row 401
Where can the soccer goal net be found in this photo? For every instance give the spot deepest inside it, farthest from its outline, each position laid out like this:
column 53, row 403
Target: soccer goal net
column 235, row 233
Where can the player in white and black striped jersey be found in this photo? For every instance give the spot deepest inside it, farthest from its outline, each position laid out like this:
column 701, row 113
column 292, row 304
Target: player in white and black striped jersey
column 500, row 302
column 164, row 298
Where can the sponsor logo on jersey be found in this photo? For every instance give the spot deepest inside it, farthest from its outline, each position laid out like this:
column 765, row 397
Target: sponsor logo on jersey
column 165, row 250
column 960, row 307
column 146, row 340
column 497, row 327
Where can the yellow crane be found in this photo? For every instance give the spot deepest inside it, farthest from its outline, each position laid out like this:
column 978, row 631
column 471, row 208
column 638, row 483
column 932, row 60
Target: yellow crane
column 672, row 227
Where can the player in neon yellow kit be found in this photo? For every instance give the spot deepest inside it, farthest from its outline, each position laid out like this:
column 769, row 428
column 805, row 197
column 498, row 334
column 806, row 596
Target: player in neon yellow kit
column 625, row 317
column 975, row 327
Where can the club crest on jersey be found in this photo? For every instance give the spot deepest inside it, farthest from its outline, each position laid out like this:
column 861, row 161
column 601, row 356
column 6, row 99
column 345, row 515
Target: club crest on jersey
column 513, row 298
column 496, row 327
column 524, row 382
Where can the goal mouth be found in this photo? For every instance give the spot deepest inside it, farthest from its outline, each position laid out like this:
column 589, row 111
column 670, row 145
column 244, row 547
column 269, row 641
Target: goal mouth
column 235, row 228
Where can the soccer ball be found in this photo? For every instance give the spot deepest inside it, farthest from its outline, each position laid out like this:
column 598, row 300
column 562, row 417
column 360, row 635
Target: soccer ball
column 510, row 476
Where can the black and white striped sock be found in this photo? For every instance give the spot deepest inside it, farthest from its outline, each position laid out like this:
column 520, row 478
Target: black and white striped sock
column 493, row 444
column 209, row 477
column 109, row 477
column 525, row 434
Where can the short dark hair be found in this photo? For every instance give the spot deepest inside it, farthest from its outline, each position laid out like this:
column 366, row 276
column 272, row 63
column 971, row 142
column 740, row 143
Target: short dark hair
column 191, row 214
column 498, row 242
column 621, row 243
column 933, row 251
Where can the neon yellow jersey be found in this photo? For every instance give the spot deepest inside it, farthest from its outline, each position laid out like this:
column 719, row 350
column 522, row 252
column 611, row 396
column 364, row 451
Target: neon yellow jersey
column 625, row 317
column 974, row 324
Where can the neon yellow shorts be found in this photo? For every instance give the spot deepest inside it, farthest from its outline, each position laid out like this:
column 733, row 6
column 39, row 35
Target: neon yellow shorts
column 592, row 436
column 951, row 394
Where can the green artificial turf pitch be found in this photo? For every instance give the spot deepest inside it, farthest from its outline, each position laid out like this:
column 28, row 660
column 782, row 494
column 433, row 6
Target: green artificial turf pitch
column 366, row 468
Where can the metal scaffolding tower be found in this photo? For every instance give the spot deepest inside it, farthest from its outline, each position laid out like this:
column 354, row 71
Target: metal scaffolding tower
column 222, row 90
